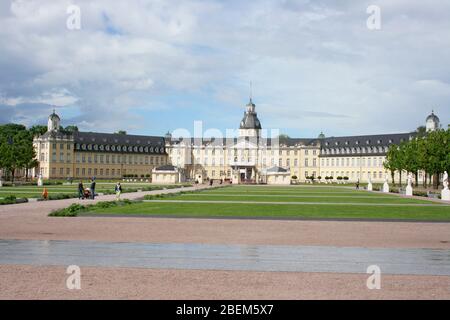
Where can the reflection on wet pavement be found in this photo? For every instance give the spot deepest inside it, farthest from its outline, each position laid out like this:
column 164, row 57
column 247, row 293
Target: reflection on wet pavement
column 225, row 257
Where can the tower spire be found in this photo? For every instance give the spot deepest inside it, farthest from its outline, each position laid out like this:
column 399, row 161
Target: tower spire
column 251, row 91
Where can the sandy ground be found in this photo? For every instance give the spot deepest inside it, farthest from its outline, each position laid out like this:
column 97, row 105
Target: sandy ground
column 30, row 221
column 325, row 233
column 115, row 283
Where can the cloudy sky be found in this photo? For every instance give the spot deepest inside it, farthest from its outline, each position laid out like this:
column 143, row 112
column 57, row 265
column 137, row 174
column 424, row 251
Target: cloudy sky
column 152, row 66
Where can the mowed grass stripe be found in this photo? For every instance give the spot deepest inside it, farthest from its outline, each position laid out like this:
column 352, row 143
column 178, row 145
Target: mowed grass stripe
column 204, row 197
column 355, row 194
column 289, row 191
column 301, row 203
column 368, row 196
column 425, row 213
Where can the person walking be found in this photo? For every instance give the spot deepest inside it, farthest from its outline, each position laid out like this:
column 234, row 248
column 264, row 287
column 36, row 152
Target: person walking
column 118, row 190
column 80, row 190
column 93, row 188
column 45, row 194
column 357, row 184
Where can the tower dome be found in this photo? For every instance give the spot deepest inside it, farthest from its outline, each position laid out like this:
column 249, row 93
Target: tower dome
column 250, row 120
column 54, row 122
column 432, row 122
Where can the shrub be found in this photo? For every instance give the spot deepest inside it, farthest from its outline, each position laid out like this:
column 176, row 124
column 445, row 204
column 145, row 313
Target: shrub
column 74, row 209
column 420, row 193
column 294, row 177
column 10, row 198
column 71, row 211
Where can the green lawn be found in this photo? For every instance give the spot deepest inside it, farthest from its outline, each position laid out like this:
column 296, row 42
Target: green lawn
column 296, row 198
column 36, row 192
column 351, row 204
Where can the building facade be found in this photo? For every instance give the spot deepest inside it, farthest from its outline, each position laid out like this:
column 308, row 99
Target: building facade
column 63, row 155
column 247, row 158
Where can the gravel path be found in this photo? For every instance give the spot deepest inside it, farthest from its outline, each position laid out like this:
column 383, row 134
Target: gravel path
column 49, row 282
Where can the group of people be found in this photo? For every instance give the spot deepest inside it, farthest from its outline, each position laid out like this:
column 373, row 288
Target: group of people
column 89, row 193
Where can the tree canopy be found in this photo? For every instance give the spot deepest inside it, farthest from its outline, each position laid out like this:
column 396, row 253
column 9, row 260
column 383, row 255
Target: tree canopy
column 16, row 148
column 429, row 152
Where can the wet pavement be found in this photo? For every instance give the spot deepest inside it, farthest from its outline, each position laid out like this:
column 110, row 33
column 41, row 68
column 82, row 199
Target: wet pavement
column 225, row 257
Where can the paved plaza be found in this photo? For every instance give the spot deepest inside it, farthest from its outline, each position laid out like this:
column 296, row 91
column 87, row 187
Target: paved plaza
column 153, row 257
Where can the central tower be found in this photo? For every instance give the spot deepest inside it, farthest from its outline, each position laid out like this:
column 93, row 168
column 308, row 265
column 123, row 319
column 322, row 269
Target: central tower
column 250, row 125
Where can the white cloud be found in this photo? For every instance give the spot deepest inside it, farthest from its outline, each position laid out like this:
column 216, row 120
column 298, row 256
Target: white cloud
column 313, row 60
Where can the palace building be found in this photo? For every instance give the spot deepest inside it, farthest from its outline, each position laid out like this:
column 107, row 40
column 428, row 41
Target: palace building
column 247, row 158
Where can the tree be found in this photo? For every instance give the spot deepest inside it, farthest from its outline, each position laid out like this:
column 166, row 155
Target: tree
column 37, row 130
column 71, row 129
column 283, row 138
column 16, row 148
column 421, row 131
column 392, row 161
column 121, row 132
column 410, row 155
column 436, row 150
